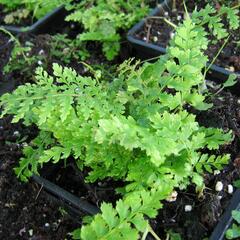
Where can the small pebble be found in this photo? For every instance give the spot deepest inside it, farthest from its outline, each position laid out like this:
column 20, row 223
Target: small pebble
column 172, row 34
column 238, row 101
column 39, row 62
column 219, row 197
column 155, row 39
column 166, row 14
column 47, row 225
column 230, row 188
column 16, row 133
column 144, row 39
column 72, row 25
column 24, row 144
column 30, row 232
column 188, row 208
column 179, row 17
column 172, row 197
column 158, row 33
column 230, row 68
column 27, row 54
column 41, row 52
column 216, row 172
column 219, row 186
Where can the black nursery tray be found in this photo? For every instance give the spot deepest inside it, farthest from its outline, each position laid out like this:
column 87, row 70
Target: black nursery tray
column 147, row 50
column 40, row 26
column 226, row 220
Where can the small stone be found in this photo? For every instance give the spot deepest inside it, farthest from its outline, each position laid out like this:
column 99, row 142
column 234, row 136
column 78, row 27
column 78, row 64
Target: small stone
column 158, row 33
column 219, row 197
column 166, row 14
column 172, row 34
column 179, row 17
column 216, row 172
column 238, row 101
column 27, row 54
column 155, row 39
column 172, row 197
column 230, row 68
column 219, row 186
column 188, row 208
column 24, row 144
column 72, row 25
column 47, row 225
column 144, row 38
column 41, row 52
column 230, row 188
column 39, row 62
column 16, row 133
column 30, row 232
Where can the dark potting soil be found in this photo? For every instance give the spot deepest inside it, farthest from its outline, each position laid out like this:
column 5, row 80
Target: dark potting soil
column 25, row 211
column 158, row 32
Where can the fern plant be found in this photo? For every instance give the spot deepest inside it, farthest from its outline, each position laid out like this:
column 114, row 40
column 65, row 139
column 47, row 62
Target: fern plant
column 134, row 128
column 20, row 9
column 102, row 20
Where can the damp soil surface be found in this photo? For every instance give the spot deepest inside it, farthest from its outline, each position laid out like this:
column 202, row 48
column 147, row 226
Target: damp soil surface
column 156, row 31
column 26, row 211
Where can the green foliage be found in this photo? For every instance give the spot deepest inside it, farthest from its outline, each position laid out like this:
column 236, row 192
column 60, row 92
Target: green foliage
column 22, row 9
column 26, row 56
column 134, row 128
column 103, row 19
column 126, row 220
column 213, row 19
column 234, row 231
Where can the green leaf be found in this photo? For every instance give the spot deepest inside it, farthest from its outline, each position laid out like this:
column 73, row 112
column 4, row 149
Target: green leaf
column 232, row 80
column 233, row 232
column 236, row 216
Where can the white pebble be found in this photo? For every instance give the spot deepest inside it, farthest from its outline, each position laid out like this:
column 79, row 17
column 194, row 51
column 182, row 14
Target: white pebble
column 219, row 186
column 230, row 188
column 16, row 133
column 155, row 39
column 39, row 62
column 30, row 232
column 216, row 172
column 144, row 39
column 172, row 197
column 27, row 54
column 166, row 14
column 219, row 197
column 179, row 17
column 188, row 208
column 172, row 34
column 158, row 33
column 41, row 52
column 46, row 224
column 238, row 101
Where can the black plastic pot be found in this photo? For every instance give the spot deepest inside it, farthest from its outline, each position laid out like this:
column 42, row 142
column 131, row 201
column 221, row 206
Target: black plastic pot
column 226, row 220
column 68, row 200
column 148, row 50
column 42, row 25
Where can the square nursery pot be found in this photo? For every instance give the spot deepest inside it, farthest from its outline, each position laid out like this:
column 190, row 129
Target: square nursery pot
column 42, row 25
column 148, row 50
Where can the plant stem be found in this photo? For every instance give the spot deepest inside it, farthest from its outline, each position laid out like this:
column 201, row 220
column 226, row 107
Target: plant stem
column 150, row 230
column 216, row 56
